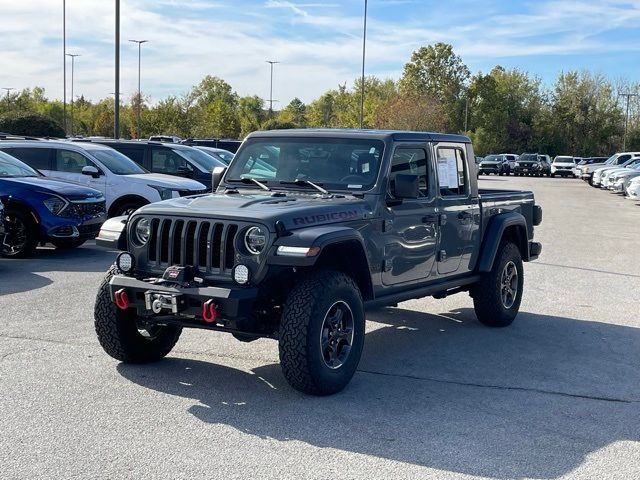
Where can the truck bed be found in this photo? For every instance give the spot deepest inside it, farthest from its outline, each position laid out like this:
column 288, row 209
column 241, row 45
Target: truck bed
column 495, row 201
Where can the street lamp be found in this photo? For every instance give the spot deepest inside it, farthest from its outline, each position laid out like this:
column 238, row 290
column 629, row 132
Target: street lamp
column 271, row 100
column 73, row 58
column 364, row 51
column 116, row 111
column 139, row 42
column 64, row 66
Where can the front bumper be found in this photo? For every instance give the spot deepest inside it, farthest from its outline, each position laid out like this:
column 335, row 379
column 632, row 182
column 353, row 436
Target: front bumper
column 233, row 304
column 73, row 228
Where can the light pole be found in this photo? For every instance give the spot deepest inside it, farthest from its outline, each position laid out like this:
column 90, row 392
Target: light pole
column 139, row 42
column 64, row 65
column 364, row 53
column 272, row 63
column 116, row 112
column 626, row 118
column 73, row 59
column 8, row 89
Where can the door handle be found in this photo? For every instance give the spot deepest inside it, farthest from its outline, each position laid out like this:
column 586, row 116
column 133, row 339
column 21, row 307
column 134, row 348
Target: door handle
column 437, row 218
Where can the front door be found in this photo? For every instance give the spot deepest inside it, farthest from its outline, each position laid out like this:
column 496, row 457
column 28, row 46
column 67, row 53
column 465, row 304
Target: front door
column 410, row 225
column 68, row 165
column 459, row 210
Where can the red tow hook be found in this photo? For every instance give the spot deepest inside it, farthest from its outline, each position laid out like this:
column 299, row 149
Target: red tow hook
column 209, row 311
column 122, row 299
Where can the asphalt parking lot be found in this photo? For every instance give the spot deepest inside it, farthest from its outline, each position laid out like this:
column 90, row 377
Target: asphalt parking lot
column 437, row 395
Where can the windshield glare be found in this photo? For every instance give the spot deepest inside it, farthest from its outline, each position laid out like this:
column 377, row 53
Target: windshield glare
column 117, row 163
column 491, row 158
column 11, row 167
column 201, row 159
column 338, row 164
column 563, row 160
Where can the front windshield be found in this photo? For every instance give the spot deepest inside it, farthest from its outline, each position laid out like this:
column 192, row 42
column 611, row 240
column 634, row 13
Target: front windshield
column 201, row 159
column 11, row 167
column 117, row 163
column 630, row 162
column 528, row 157
column 611, row 159
column 491, row 158
column 563, row 160
column 333, row 163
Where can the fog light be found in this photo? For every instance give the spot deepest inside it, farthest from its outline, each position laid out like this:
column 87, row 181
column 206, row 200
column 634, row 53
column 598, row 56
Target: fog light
column 125, row 262
column 241, row 274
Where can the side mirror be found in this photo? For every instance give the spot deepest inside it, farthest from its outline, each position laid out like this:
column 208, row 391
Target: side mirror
column 91, row 171
column 216, row 177
column 406, row 186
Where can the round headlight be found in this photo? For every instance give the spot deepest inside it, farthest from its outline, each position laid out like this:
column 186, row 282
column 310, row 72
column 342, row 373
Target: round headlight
column 241, row 274
column 255, row 240
column 143, row 231
column 125, row 262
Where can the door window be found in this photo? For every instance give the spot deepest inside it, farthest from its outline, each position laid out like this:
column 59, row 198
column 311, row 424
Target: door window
column 69, row 161
column 167, row 161
column 38, row 158
column 410, row 161
column 452, row 171
column 135, row 154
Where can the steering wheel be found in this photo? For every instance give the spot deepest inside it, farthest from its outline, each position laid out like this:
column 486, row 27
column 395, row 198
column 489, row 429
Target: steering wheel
column 353, row 178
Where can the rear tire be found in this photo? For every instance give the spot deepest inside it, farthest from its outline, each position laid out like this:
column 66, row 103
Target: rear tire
column 119, row 335
column 497, row 296
column 322, row 333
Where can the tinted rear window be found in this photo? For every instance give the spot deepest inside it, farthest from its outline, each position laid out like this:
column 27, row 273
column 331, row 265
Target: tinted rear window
column 37, row 158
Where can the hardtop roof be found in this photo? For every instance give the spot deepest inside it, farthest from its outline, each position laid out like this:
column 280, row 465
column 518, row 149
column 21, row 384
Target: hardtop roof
column 392, row 135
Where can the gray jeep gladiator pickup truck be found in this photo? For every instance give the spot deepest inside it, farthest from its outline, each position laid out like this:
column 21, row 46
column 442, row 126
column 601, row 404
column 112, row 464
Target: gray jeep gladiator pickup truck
column 305, row 231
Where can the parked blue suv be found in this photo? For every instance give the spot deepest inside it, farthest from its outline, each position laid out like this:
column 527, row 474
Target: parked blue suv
column 38, row 209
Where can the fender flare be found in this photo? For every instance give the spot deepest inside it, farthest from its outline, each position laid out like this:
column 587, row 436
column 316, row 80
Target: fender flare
column 320, row 237
column 113, row 234
column 494, row 234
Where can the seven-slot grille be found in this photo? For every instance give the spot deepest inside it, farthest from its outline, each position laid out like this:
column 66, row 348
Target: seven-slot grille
column 207, row 245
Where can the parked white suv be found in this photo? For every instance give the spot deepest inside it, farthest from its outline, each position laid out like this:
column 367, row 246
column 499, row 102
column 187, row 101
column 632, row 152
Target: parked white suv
column 564, row 166
column 125, row 185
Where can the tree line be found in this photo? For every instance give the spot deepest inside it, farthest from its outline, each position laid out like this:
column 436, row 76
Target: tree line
column 504, row 110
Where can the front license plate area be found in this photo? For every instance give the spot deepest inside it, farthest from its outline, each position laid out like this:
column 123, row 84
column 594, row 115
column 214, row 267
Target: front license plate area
column 158, row 302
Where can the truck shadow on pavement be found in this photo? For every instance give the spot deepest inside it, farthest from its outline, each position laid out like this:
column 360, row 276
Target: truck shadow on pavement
column 23, row 272
column 442, row 391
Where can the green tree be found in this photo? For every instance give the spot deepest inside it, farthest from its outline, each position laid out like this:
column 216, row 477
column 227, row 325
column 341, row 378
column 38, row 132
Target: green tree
column 250, row 114
column 294, row 113
column 436, row 71
column 30, row 124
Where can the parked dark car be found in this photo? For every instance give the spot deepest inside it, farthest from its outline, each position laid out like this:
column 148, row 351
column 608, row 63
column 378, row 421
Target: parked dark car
column 168, row 158
column 225, row 156
column 307, row 230
column 224, row 143
column 1, row 222
column 533, row 164
column 40, row 209
column 496, row 164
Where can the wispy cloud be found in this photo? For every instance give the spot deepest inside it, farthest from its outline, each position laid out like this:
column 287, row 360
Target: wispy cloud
column 319, row 44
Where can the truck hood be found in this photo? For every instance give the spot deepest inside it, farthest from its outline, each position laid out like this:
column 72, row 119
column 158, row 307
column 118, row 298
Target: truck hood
column 294, row 210
column 166, row 181
column 563, row 164
column 69, row 190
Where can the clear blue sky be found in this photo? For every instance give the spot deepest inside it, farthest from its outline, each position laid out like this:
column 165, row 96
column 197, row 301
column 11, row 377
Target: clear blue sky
column 318, row 43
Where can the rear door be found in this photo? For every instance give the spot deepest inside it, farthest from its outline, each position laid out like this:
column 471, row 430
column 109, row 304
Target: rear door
column 410, row 225
column 164, row 160
column 459, row 208
column 38, row 158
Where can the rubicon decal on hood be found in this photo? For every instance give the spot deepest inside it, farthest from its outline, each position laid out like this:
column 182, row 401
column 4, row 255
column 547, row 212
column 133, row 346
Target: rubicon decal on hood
column 326, row 217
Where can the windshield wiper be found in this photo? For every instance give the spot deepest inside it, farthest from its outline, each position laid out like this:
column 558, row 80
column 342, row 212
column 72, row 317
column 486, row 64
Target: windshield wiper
column 306, row 182
column 252, row 180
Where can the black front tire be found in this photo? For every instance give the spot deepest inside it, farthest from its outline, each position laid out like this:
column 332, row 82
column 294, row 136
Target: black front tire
column 64, row 244
column 21, row 236
column 119, row 335
column 304, row 360
column 489, row 294
column 127, row 208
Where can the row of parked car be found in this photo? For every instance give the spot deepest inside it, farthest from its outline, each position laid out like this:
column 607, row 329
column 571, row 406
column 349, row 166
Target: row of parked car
column 61, row 191
column 532, row 164
column 620, row 174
